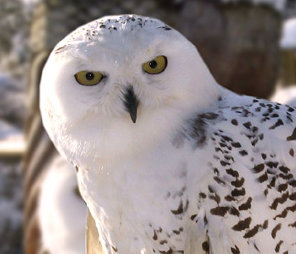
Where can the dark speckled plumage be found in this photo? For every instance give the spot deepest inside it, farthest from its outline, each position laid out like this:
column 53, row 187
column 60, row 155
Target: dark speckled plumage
column 253, row 188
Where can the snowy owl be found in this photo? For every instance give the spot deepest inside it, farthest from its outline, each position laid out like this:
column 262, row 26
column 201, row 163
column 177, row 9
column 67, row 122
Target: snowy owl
column 167, row 160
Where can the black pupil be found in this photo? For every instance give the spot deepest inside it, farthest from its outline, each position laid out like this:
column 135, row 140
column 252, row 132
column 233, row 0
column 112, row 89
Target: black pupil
column 89, row 76
column 153, row 64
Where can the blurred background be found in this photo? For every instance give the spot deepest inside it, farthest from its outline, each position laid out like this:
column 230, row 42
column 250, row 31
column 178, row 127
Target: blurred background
column 249, row 46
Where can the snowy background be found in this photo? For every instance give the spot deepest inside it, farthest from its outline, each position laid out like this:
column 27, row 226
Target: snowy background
column 14, row 59
column 15, row 16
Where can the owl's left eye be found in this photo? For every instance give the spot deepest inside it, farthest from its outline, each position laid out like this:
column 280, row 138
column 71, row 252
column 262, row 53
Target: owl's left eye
column 88, row 78
column 155, row 66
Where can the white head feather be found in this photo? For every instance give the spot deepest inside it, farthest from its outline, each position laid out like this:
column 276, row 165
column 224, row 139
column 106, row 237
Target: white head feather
column 92, row 122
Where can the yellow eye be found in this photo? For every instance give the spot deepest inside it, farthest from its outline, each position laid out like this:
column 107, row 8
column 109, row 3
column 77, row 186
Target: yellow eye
column 155, row 66
column 88, row 78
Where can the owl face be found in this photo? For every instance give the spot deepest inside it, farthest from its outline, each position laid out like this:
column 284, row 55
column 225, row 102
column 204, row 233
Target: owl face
column 116, row 76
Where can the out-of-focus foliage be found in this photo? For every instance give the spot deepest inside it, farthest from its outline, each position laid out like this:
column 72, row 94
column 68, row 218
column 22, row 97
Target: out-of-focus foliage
column 14, row 27
column 53, row 19
column 10, row 208
column 14, row 58
column 288, row 40
column 288, row 52
column 290, row 10
column 12, row 101
column 285, row 95
column 11, row 17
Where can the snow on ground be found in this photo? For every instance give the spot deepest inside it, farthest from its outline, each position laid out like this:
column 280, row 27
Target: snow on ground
column 8, row 131
column 10, row 208
column 277, row 4
column 29, row 4
column 11, row 148
column 12, row 100
column 285, row 95
column 12, row 145
column 30, row 1
column 12, row 141
column 11, row 216
column 288, row 40
column 62, row 212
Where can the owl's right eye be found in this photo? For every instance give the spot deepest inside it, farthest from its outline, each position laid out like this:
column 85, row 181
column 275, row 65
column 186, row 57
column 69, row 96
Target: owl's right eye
column 89, row 78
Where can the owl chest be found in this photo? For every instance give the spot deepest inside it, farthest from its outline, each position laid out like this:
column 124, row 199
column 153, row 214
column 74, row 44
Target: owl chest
column 143, row 210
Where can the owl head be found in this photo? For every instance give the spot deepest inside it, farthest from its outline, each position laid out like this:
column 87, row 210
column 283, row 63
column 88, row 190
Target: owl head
column 120, row 82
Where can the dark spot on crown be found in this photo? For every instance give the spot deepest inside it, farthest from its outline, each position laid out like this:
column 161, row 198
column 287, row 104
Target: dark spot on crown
column 243, row 152
column 167, row 28
column 247, row 125
column 234, row 122
column 236, row 144
column 60, row 49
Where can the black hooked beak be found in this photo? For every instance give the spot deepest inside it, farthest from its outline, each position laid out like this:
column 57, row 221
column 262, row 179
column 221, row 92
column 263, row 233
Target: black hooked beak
column 131, row 103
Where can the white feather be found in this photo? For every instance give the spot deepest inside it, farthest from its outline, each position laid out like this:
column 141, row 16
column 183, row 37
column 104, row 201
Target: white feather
column 183, row 178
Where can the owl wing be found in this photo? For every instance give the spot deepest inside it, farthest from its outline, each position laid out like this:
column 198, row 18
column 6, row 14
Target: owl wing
column 248, row 199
